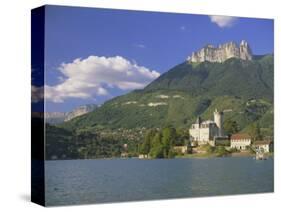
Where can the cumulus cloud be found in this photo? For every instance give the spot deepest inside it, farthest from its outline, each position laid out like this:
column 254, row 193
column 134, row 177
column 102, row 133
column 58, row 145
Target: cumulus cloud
column 223, row 21
column 93, row 76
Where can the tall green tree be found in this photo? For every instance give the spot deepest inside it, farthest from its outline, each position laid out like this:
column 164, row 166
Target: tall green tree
column 157, row 149
column 230, row 127
column 168, row 139
column 182, row 137
column 255, row 132
column 146, row 145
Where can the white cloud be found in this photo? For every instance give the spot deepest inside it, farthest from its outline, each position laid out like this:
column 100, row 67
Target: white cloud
column 223, row 21
column 91, row 77
column 183, row 28
column 139, row 45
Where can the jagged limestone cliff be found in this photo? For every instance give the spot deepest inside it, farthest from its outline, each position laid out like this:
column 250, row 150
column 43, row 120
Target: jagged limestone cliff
column 222, row 52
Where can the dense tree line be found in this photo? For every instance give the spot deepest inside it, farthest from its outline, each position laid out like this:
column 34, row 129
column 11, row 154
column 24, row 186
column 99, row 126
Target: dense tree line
column 230, row 127
column 82, row 144
column 160, row 143
column 157, row 143
column 255, row 132
column 88, row 144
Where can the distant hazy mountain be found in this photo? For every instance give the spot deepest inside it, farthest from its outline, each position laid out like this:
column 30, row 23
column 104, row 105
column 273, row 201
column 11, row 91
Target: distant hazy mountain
column 60, row 117
column 55, row 117
column 80, row 111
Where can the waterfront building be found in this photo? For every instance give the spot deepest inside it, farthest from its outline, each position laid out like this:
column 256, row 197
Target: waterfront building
column 263, row 146
column 240, row 141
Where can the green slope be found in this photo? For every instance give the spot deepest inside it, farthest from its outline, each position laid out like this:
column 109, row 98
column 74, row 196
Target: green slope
column 234, row 77
column 243, row 89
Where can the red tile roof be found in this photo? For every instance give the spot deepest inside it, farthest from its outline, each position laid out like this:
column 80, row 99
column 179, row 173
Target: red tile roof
column 262, row 142
column 239, row 136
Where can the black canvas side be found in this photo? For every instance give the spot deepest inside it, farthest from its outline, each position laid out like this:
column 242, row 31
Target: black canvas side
column 37, row 106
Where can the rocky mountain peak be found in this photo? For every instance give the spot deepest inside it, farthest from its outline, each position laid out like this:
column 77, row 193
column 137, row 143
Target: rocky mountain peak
column 222, row 52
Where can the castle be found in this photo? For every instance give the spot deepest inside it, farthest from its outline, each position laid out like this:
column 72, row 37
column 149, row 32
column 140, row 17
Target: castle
column 222, row 52
column 206, row 132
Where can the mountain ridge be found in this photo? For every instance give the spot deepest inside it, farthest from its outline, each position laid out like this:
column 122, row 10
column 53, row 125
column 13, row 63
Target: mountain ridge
column 233, row 77
column 244, row 88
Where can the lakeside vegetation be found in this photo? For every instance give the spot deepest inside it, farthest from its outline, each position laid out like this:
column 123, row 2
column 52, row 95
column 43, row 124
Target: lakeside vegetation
column 160, row 143
column 83, row 144
column 90, row 144
column 153, row 143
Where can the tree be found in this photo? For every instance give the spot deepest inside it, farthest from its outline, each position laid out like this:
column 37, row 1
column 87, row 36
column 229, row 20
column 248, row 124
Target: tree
column 146, row 145
column 255, row 132
column 171, row 153
column 230, row 127
column 189, row 147
column 182, row 136
column 169, row 136
column 157, row 150
column 168, row 139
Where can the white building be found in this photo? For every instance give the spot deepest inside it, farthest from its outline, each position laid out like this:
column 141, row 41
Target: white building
column 263, row 146
column 240, row 141
column 143, row 156
column 205, row 132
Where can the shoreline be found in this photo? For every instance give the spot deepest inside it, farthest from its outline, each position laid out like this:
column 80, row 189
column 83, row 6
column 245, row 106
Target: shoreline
column 213, row 155
column 188, row 156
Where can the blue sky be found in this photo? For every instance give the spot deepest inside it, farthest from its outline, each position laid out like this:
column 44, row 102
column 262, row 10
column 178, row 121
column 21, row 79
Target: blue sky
column 117, row 51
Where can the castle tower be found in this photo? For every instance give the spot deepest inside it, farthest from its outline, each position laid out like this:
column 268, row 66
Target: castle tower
column 198, row 120
column 218, row 119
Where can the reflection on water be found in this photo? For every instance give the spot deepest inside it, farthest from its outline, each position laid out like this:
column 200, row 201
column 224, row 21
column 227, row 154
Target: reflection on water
column 97, row 181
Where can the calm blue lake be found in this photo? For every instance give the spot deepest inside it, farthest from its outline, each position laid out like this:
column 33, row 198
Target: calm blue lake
column 98, row 181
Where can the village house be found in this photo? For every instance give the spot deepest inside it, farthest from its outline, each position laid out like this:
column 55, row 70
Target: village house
column 263, row 146
column 143, row 156
column 240, row 141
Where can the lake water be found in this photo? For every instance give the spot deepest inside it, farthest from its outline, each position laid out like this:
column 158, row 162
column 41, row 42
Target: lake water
column 99, row 181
